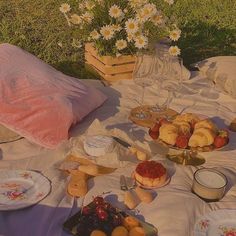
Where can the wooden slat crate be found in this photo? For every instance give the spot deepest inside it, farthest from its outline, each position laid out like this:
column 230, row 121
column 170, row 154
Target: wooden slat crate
column 109, row 68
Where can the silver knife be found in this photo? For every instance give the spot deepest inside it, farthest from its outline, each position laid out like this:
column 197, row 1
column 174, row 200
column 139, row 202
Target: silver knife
column 140, row 154
column 122, row 142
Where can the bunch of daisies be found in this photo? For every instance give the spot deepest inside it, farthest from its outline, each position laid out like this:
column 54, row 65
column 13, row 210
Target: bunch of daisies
column 120, row 27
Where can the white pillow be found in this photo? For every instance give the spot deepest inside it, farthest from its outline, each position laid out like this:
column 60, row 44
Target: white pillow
column 221, row 70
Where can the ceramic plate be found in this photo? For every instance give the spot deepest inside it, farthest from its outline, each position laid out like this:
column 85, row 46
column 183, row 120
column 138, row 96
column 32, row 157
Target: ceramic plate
column 22, row 188
column 153, row 187
column 217, row 223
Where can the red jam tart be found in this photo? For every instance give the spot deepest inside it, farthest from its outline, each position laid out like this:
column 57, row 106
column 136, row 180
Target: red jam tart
column 150, row 174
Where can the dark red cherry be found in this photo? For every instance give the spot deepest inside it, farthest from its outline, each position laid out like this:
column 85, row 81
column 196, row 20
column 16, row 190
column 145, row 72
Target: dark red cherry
column 103, row 215
column 98, row 200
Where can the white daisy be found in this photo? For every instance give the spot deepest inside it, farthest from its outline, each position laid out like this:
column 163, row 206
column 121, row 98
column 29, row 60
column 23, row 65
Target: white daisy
column 174, row 51
column 131, row 26
column 76, row 43
column 89, row 5
column 137, row 3
column 149, row 10
column 75, row 19
column 107, row 32
column 130, row 37
column 157, row 19
column 115, row 11
column 141, row 42
column 81, row 6
column 121, row 44
column 170, row 2
column 87, row 17
column 94, row 34
column 116, row 27
column 175, row 34
column 64, row 8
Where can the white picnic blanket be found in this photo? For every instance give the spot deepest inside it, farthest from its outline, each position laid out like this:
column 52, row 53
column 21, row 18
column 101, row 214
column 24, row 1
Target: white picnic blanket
column 175, row 208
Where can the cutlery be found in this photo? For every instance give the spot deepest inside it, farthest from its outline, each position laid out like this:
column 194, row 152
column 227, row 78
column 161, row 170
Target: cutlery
column 140, row 154
column 123, row 184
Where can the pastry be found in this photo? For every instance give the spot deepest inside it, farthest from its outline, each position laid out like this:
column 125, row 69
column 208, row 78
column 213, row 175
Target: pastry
column 120, row 231
column 98, row 145
column 187, row 117
column 144, row 195
column 130, row 222
column 98, row 233
column 137, row 231
column 150, row 174
column 184, row 126
column 168, row 133
column 202, row 137
column 206, row 124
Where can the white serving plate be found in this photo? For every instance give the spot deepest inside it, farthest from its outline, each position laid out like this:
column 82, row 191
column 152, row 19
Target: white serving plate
column 22, row 188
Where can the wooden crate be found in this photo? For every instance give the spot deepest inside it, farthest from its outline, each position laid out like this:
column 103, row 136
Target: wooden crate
column 109, row 68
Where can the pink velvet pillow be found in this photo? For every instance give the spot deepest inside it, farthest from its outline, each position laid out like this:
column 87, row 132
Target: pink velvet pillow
column 39, row 102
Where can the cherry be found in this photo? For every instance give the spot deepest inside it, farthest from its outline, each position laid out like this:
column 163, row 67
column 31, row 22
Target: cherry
column 98, row 200
column 86, row 210
column 116, row 220
column 99, row 209
column 103, row 215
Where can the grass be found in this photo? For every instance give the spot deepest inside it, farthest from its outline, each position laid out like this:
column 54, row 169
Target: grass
column 209, row 29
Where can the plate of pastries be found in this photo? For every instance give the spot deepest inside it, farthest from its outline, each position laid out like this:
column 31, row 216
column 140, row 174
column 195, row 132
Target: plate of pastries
column 189, row 131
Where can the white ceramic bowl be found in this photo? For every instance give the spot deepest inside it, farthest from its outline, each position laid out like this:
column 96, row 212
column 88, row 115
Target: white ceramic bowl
column 209, row 184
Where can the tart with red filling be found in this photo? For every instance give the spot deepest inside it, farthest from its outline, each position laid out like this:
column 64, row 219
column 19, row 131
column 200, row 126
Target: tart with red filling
column 150, row 174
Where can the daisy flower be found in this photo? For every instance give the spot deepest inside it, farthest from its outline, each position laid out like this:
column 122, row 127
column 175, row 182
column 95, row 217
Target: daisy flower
column 94, row 34
column 174, row 51
column 141, row 42
column 116, row 27
column 75, row 19
column 107, row 32
column 121, row 44
column 89, row 5
column 130, row 37
column 175, row 34
column 87, row 17
column 170, row 2
column 157, row 19
column 137, row 3
column 115, row 11
column 64, row 8
column 131, row 26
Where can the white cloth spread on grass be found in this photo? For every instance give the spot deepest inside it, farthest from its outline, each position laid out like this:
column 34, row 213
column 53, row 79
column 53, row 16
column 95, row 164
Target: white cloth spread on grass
column 175, row 208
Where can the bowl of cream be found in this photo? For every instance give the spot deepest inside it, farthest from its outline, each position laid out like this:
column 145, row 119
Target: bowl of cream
column 209, row 184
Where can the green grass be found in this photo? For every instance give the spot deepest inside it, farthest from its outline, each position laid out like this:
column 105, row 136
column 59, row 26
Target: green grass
column 209, row 29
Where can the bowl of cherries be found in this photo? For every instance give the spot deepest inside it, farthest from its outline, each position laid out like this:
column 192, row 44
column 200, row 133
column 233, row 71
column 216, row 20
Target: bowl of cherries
column 100, row 218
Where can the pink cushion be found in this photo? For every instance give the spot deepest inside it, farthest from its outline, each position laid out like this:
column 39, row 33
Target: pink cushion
column 39, row 102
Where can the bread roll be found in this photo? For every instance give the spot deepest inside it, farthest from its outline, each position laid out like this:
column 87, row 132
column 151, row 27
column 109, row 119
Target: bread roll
column 77, row 186
column 144, row 195
column 201, row 137
column 168, row 133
